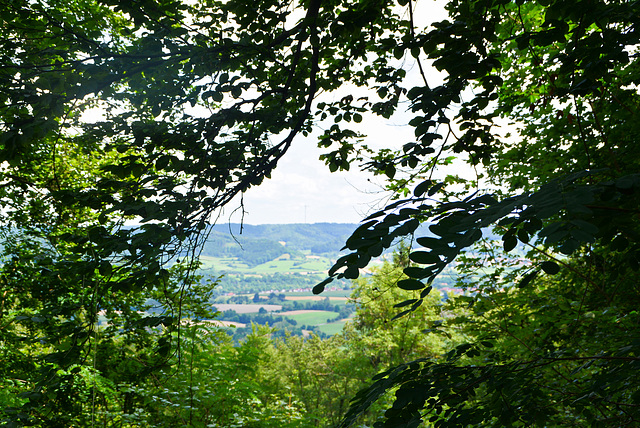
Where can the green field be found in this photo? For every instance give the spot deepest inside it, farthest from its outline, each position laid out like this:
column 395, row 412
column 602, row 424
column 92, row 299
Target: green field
column 333, row 328
column 279, row 265
column 335, row 293
column 314, row 267
column 311, row 318
column 318, row 319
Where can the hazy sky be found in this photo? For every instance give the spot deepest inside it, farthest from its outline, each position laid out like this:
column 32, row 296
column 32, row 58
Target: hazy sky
column 302, row 190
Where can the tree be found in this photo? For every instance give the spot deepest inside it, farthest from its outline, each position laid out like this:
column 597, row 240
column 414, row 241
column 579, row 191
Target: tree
column 201, row 99
column 191, row 96
column 550, row 343
column 324, row 374
column 222, row 387
column 385, row 340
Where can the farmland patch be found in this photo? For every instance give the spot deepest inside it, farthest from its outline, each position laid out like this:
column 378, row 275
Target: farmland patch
column 316, row 298
column 310, row 317
column 245, row 309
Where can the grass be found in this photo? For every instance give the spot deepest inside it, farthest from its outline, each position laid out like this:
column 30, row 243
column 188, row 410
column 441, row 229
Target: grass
column 281, row 265
column 336, row 293
column 311, row 318
column 220, row 264
column 285, row 265
column 292, row 265
column 332, row 328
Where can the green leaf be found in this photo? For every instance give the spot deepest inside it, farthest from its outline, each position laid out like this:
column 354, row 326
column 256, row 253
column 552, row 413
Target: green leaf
column 424, row 293
column 319, row 288
column 523, row 236
column 424, row 258
column 417, row 272
column 163, row 161
column 550, row 267
column 351, row 272
column 429, row 242
column 619, row 243
column 435, row 189
column 570, row 245
column 401, row 314
column 422, row 188
column 410, row 284
column 105, row 268
column 390, row 171
column 217, row 96
column 627, row 182
column 405, row 303
column 526, row 280
column 510, row 242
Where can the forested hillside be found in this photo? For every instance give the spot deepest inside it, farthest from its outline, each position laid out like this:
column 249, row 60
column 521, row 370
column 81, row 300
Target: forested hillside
column 280, row 257
column 318, row 238
column 129, row 128
column 254, row 245
column 250, row 259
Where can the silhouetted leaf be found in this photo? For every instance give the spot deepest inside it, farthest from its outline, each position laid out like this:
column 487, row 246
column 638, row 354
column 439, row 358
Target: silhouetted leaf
column 422, row 188
column 410, row 284
column 423, row 257
column 510, row 243
column 550, row 267
column 526, row 280
column 405, row 303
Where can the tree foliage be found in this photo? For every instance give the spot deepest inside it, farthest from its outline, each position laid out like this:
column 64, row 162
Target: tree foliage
column 554, row 340
column 199, row 101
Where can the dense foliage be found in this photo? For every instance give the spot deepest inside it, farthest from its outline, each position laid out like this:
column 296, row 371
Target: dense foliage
column 290, row 381
column 553, row 338
column 199, row 100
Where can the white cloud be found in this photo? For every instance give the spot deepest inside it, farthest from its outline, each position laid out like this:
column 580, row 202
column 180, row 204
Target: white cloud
column 302, row 190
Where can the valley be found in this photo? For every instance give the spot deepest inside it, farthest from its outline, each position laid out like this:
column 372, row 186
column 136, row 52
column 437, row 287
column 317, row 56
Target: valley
column 265, row 276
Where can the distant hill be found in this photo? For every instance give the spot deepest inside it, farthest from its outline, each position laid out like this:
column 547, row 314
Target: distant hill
column 273, row 240
column 272, row 256
column 279, row 257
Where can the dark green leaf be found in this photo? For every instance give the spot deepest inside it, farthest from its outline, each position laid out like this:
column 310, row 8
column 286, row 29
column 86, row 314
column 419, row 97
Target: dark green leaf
column 410, row 284
column 523, row 236
column 319, row 288
column 528, row 278
column 435, row 189
column 401, row 314
column 550, row 267
column 422, row 188
column 417, row 272
column 510, row 243
column 424, row 258
column 405, row 303
column 424, row 293
column 430, row 242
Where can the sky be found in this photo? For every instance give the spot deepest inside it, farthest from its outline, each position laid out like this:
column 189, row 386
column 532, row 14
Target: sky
column 302, row 190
